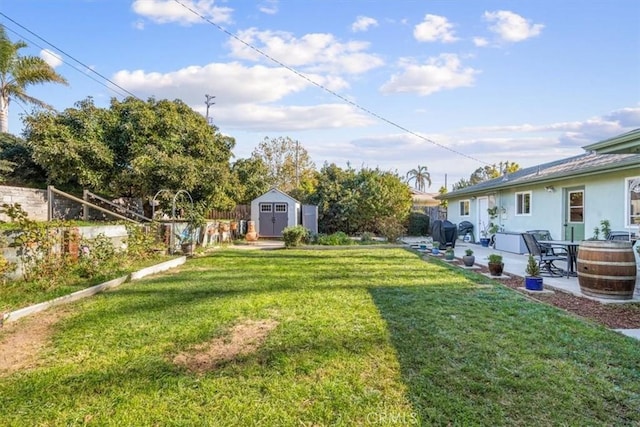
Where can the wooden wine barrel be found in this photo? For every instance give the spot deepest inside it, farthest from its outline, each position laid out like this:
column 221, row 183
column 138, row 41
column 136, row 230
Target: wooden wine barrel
column 606, row 269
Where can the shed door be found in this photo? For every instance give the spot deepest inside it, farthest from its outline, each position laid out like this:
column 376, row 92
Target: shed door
column 274, row 218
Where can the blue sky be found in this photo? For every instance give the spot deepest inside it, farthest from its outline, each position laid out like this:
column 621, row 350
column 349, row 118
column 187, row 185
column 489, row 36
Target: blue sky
column 451, row 85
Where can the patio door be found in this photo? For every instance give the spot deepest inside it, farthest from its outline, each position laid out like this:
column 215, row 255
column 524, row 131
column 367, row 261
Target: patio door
column 574, row 214
column 483, row 216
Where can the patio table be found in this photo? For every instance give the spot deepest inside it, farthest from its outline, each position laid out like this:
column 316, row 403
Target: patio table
column 572, row 253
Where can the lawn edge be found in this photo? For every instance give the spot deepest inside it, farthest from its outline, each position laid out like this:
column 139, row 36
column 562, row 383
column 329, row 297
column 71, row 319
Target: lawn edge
column 84, row 293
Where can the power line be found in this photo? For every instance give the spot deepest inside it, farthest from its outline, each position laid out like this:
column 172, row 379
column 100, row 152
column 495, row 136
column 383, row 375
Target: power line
column 71, row 57
column 326, row 89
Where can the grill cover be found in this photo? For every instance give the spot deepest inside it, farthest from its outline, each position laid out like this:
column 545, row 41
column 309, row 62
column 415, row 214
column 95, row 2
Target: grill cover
column 444, row 232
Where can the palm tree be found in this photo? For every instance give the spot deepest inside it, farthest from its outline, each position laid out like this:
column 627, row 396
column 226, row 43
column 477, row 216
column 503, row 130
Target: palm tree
column 420, row 176
column 17, row 72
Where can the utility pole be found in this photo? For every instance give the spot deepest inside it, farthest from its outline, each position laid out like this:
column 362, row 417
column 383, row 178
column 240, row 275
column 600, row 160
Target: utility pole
column 297, row 170
column 209, row 102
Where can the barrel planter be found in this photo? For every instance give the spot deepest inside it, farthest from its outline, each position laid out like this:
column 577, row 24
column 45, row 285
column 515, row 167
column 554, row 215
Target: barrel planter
column 606, row 269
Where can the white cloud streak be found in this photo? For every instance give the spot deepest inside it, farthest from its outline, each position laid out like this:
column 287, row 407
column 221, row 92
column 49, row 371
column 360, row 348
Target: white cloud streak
column 434, row 28
column 439, row 73
column 168, row 11
column 51, row 58
column 511, row 27
column 363, row 23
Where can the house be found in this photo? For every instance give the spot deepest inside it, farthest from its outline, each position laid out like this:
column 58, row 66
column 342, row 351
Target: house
column 568, row 197
column 273, row 211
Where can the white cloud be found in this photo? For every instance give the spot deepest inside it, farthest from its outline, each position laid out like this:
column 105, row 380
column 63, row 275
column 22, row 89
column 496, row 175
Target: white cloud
column 270, row 7
column 511, row 27
column 439, row 73
column 290, row 118
column 480, row 41
column 316, row 52
column 363, row 23
column 167, row 11
column 434, row 28
column 232, row 82
column 246, row 97
column 51, row 58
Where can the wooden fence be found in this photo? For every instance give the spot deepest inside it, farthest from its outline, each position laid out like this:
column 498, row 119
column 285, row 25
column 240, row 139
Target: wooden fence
column 241, row 212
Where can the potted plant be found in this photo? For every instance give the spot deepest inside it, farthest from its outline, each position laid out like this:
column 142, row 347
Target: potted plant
column 484, row 235
column 449, row 254
column 533, row 281
column 496, row 266
column 468, row 259
column 436, row 248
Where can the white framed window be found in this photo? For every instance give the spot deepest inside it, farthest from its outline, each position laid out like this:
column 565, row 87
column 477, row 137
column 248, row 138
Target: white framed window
column 266, row 207
column 465, row 207
column 632, row 201
column 523, row 203
column 281, row 207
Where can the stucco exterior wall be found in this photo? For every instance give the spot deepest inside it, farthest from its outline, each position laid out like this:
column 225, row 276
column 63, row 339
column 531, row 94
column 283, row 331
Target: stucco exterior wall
column 604, row 198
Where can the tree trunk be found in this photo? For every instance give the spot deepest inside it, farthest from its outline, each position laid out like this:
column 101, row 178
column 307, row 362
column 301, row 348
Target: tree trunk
column 4, row 114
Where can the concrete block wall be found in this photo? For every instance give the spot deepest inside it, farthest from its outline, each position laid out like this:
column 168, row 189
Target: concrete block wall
column 34, row 202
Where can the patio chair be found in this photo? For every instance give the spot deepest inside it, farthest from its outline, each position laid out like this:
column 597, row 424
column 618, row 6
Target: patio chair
column 621, row 235
column 544, row 235
column 545, row 256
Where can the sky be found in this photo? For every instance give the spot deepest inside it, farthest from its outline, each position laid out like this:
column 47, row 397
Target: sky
column 389, row 84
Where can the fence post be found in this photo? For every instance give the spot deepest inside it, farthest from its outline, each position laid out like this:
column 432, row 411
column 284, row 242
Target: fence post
column 85, row 208
column 50, row 200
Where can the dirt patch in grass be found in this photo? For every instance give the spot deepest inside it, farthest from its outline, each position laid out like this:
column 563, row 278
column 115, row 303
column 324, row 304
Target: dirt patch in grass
column 243, row 339
column 21, row 341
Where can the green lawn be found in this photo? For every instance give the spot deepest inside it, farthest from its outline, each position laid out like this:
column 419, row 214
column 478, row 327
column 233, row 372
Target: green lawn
column 18, row 293
column 363, row 336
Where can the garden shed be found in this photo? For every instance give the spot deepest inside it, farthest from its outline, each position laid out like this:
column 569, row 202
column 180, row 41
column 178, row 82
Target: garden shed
column 273, row 211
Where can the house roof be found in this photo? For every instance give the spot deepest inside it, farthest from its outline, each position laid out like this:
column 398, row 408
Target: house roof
column 424, row 199
column 625, row 143
column 590, row 163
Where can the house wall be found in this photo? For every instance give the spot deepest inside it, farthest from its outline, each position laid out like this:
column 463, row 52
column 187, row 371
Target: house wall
column 604, row 199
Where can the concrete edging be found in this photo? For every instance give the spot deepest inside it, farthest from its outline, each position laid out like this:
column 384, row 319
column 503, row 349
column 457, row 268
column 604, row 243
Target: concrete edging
column 84, row 293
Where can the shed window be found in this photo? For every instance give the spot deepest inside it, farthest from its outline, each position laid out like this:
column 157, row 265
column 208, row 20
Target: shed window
column 281, row 207
column 632, row 195
column 464, row 207
column 523, row 203
column 266, row 207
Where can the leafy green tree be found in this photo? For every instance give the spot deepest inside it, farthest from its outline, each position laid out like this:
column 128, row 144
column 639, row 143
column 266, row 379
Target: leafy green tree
column 384, row 202
column 486, row 173
column 250, row 175
column 369, row 200
column 335, row 196
column 70, row 145
column 18, row 153
column 288, row 163
column 420, row 176
column 18, row 72
column 135, row 148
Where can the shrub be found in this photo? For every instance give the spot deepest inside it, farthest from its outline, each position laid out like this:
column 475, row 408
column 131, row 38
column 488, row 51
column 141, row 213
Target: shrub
column 294, row 236
column 97, row 256
column 336, row 239
column 391, row 228
column 418, row 224
column 495, row 258
column 366, row 237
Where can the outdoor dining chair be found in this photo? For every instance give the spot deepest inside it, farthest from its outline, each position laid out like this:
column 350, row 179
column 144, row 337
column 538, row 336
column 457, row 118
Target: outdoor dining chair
column 545, row 256
column 543, row 235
